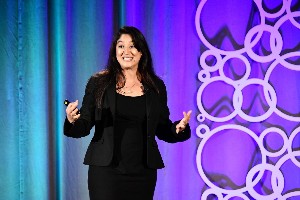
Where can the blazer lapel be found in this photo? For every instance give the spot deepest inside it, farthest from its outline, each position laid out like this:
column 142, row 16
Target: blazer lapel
column 111, row 95
column 149, row 97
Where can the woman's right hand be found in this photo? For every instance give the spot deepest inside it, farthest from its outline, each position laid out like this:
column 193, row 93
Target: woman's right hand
column 71, row 111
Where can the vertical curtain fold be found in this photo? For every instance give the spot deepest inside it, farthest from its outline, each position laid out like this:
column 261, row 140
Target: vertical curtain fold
column 9, row 145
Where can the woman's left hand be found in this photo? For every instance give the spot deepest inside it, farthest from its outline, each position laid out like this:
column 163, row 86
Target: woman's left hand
column 185, row 120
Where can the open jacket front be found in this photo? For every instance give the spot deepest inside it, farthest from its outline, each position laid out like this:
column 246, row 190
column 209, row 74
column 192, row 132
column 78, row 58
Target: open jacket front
column 101, row 148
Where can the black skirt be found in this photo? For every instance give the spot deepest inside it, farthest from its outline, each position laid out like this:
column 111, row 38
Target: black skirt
column 109, row 183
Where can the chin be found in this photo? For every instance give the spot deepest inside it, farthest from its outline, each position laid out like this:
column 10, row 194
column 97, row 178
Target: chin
column 127, row 66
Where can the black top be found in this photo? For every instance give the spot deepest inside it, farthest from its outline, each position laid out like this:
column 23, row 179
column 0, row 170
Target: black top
column 130, row 133
column 102, row 116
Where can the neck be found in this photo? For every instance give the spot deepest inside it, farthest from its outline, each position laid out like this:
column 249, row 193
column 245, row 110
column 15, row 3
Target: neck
column 130, row 75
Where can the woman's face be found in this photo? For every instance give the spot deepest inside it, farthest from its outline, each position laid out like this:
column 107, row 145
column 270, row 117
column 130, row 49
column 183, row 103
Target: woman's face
column 127, row 55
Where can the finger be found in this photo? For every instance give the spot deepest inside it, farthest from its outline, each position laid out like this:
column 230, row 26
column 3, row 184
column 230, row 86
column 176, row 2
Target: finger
column 185, row 120
column 72, row 106
column 188, row 115
column 183, row 123
column 76, row 117
column 74, row 112
column 184, row 114
column 69, row 108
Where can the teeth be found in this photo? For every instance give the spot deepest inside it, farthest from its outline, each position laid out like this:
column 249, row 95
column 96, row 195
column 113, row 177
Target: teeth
column 127, row 59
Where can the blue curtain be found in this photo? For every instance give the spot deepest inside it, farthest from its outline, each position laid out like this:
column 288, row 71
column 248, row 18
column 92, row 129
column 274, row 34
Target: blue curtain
column 242, row 88
column 48, row 50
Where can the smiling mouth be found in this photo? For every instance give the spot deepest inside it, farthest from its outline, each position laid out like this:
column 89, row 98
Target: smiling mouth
column 127, row 58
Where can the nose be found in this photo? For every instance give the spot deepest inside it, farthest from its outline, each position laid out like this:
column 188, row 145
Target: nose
column 126, row 50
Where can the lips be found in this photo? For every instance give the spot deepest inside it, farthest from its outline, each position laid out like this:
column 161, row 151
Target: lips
column 127, row 58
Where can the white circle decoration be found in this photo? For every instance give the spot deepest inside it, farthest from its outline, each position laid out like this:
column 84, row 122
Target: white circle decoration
column 200, row 150
column 260, row 59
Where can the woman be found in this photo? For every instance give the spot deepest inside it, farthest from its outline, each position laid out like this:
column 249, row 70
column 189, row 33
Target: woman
column 127, row 104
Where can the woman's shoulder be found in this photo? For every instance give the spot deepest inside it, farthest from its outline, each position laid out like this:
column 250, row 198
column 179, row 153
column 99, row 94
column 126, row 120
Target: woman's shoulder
column 159, row 82
column 98, row 76
column 97, row 79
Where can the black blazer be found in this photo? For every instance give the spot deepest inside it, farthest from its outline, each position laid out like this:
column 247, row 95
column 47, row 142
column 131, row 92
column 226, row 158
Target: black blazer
column 100, row 150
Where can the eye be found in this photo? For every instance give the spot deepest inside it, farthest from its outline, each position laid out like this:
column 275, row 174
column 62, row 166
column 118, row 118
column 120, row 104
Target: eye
column 132, row 47
column 121, row 46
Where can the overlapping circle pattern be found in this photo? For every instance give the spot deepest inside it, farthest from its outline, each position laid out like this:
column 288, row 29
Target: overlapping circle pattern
column 253, row 36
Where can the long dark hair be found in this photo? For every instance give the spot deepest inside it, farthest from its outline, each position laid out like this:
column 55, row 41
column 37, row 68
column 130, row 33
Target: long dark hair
column 113, row 71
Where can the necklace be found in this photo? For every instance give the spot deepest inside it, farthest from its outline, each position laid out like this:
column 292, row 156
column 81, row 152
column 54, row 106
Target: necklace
column 129, row 89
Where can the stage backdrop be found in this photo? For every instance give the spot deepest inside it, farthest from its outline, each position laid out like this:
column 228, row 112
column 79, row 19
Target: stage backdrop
column 249, row 99
column 48, row 50
column 235, row 63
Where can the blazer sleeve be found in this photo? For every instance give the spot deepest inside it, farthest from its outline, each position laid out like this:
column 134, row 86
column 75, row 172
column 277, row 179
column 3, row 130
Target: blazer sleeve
column 166, row 129
column 82, row 126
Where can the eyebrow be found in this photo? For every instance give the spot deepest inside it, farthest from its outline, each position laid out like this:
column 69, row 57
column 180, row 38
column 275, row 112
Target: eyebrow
column 122, row 41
